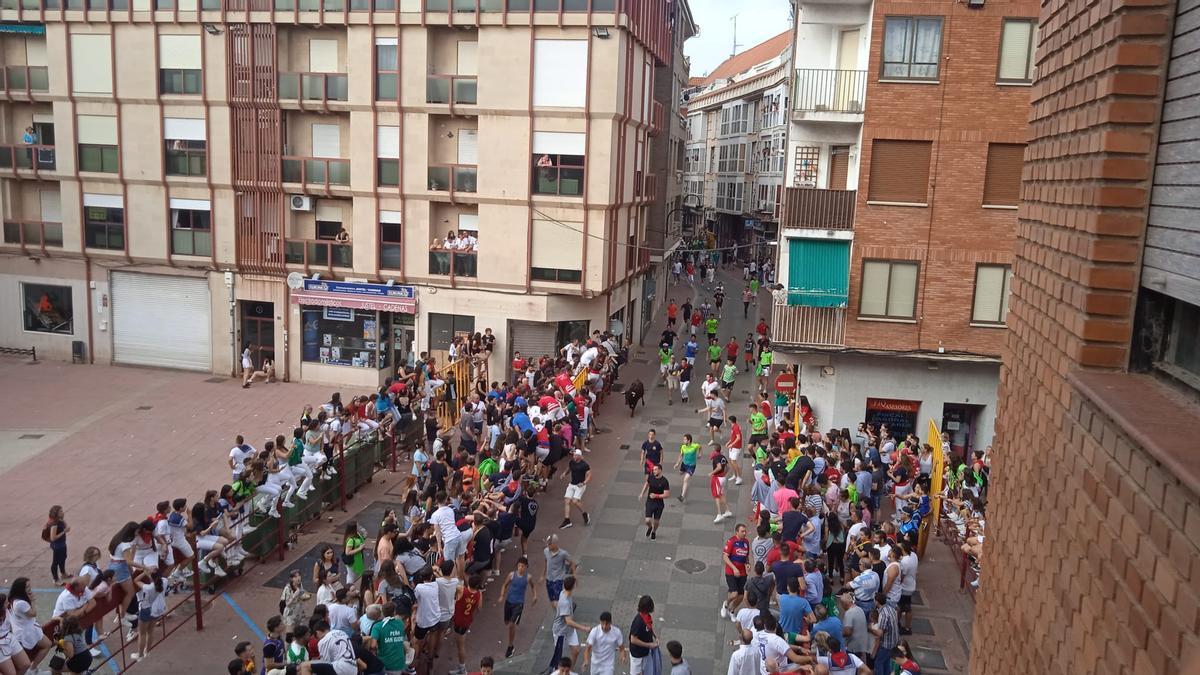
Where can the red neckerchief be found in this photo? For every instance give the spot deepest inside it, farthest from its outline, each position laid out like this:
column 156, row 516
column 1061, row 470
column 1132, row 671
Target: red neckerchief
column 648, row 620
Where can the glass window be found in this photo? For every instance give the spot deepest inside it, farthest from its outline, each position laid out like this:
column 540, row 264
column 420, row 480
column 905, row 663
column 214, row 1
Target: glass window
column 390, row 256
column 1183, row 349
column 991, row 294
column 558, row 175
column 912, row 47
column 179, row 81
column 191, row 232
column 889, row 289
column 1017, row 40
column 389, row 172
column 104, row 227
column 341, row 336
column 549, row 274
column 98, row 158
column 47, row 309
column 443, row 328
column 186, row 158
column 387, row 75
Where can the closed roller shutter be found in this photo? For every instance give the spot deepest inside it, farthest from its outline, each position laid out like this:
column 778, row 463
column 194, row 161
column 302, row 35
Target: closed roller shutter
column 839, row 166
column 899, row 172
column 161, row 321
column 532, row 339
column 1002, row 180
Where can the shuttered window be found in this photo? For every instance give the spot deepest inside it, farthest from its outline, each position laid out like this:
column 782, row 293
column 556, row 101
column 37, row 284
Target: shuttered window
column 1002, row 179
column 560, row 74
column 889, row 289
column 1017, row 41
column 91, row 64
column 818, row 272
column 991, row 294
column 899, row 171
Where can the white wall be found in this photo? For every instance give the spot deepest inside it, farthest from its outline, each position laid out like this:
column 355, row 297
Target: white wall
column 53, row 346
column 825, row 135
column 839, row 400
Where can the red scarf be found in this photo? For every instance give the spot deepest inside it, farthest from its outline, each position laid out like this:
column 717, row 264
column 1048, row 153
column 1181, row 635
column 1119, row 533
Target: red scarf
column 648, row 620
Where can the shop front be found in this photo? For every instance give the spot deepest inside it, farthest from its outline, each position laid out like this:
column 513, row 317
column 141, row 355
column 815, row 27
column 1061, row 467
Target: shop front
column 355, row 333
column 899, row 415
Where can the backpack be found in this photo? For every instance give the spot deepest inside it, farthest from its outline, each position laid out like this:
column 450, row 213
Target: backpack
column 46, row 532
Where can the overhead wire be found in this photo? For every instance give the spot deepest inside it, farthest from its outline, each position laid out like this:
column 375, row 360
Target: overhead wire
column 567, row 226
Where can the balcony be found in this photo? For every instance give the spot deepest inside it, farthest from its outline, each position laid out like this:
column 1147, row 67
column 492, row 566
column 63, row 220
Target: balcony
column 829, row 95
column 454, row 263
column 813, row 208
column 316, row 171
column 809, row 326
column 453, row 178
column 318, row 253
column 452, row 89
column 26, row 80
column 33, row 234
column 321, row 87
column 34, row 158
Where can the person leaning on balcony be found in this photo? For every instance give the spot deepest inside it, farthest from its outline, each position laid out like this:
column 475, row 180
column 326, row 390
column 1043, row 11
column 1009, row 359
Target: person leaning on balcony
column 30, row 137
column 342, row 236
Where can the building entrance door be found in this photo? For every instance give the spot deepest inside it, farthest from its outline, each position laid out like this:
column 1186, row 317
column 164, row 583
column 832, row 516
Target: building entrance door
column 258, row 330
column 958, row 421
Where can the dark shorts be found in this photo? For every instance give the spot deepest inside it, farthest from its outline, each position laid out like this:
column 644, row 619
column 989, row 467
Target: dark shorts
column 321, row 668
column 735, row 584
column 757, row 438
column 727, row 385
column 513, row 612
column 715, row 423
column 460, row 629
column 689, row 469
column 905, row 604
column 144, row 615
column 654, row 508
column 420, row 633
column 714, row 361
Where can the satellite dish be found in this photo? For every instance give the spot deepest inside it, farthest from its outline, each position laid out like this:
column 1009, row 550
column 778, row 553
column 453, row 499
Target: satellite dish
column 616, row 327
column 295, row 281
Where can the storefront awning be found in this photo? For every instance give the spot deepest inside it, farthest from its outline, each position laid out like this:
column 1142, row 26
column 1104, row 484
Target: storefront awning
column 319, row 299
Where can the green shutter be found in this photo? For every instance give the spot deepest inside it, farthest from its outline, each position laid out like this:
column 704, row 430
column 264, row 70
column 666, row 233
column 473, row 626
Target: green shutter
column 818, row 272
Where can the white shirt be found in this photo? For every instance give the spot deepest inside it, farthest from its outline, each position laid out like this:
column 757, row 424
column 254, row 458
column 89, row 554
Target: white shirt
column 335, row 649
column 745, row 617
column 239, row 455
column 447, row 588
column 443, row 518
column 68, row 603
column 771, row 649
column 854, row 530
column 342, row 617
column 744, row 661
column 246, row 358
column 604, row 648
column 24, row 627
column 428, row 604
column 908, row 573
column 709, row 387
column 589, row 355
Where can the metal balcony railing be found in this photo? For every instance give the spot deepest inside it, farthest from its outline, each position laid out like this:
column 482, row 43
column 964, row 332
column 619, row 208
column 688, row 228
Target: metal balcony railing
column 316, row 171
column 317, row 253
column 453, row 263
column 817, row 208
column 25, row 79
column 33, row 234
column 453, row 178
column 314, row 87
column 811, row 326
column 452, row 89
column 828, row 90
column 33, row 157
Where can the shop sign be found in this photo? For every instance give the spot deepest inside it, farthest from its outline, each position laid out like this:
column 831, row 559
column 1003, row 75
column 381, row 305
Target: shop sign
column 339, row 314
column 367, row 290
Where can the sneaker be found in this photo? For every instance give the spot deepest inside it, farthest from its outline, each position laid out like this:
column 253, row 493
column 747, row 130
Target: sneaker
column 288, row 505
column 96, row 653
column 274, row 513
column 205, row 567
column 680, row 498
column 302, row 495
column 218, row 571
column 737, row 481
column 718, row 519
column 727, row 514
column 587, row 520
column 136, row 656
column 654, row 535
column 131, row 635
column 565, row 524
column 724, row 612
column 647, row 533
column 509, row 652
column 332, row 471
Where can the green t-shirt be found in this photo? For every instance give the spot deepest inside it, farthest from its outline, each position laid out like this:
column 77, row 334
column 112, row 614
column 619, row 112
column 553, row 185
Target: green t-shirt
column 711, row 326
column 714, row 352
column 488, row 467
column 780, row 400
column 389, row 634
column 354, row 542
column 760, row 454
column 764, row 359
column 689, row 452
column 295, row 457
column 297, row 653
column 729, row 373
column 664, row 357
column 758, row 423
column 754, row 286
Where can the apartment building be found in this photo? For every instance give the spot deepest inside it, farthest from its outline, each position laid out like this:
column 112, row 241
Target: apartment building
column 908, row 128
column 335, row 185
column 1101, row 378
column 737, row 135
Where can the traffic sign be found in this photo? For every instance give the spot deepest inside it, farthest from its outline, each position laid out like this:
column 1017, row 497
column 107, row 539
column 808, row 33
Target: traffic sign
column 785, row 383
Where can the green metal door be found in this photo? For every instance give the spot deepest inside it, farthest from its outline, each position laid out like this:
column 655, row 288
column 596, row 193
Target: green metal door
column 818, row 272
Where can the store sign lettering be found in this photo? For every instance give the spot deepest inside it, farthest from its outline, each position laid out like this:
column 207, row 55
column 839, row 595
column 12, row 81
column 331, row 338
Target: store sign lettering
column 368, row 290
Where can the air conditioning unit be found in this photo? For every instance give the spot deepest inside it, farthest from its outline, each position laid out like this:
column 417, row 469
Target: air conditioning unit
column 302, row 203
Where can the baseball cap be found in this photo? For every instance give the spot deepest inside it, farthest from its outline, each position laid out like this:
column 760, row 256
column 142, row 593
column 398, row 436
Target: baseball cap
column 578, row 452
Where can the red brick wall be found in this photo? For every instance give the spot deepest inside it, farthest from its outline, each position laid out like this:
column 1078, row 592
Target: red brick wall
column 961, row 115
column 1090, row 563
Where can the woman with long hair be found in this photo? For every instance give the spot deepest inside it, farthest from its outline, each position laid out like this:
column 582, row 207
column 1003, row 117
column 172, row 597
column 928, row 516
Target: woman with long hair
column 152, row 604
column 291, row 601
column 25, row 626
column 835, row 546
column 12, row 657
column 352, row 553
column 327, row 562
column 73, row 644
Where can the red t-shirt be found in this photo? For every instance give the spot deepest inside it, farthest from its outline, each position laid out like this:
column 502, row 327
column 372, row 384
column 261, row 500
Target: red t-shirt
column 696, row 319
column 672, row 309
column 766, row 409
column 732, row 349
column 465, row 606
column 735, row 435
column 773, row 556
column 519, row 364
column 738, row 550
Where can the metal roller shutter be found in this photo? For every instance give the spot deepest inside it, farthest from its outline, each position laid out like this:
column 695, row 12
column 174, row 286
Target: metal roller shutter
column 161, row 321
column 899, row 172
column 1002, row 179
column 532, row 339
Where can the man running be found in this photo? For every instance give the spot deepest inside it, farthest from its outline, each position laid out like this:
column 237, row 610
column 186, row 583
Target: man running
column 735, row 449
column 716, row 483
column 672, row 311
column 580, row 475
column 715, row 408
column 735, row 554
column 656, row 490
column 714, row 355
column 710, row 326
column 729, row 375
column 515, row 587
column 746, row 297
column 689, row 452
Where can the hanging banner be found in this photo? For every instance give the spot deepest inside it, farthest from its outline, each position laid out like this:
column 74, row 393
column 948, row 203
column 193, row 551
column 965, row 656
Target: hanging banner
column 936, row 478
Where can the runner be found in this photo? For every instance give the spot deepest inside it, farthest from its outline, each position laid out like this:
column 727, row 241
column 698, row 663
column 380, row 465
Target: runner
column 689, row 350
column 685, row 378
column 758, row 425
column 580, row 475
column 716, row 483
column 651, row 453
column 746, row 297
column 715, row 409
column 672, row 311
column 656, row 489
column 674, row 369
column 512, row 594
column 465, row 608
column 765, row 357
column 559, row 566
column 714, row 355
column 735, row 554
column 735, row 449
column 710, row 326
column 688, row 453
column 564, row 627
column 605, row 645
column 729, row 375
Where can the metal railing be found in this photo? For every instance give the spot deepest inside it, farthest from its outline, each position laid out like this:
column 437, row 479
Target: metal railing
column 454, row 263
column 317, row 253
column 314, row 87
column 33, row 157
column 817, row 208
column 35, row 234
column 27, row 79
column 452, row 89
column 813, row 326
column 453, row 178
column 316, row 171
column 829, row 90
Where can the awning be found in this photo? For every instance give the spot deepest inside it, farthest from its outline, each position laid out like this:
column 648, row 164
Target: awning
column 319, row 299
column 23, row 28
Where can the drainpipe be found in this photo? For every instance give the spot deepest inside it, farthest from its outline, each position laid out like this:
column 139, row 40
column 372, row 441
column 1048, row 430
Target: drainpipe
column 237, row 360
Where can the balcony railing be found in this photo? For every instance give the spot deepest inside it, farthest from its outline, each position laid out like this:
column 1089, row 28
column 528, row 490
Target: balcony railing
column 316, row 171
column 454, row 263
column 314, row 87
column 27, row 79
column 811, row 326
column 317, row 253
column 833, row 91
column 33, row 234
column 453, row 178
column 656, row 118
column 32, row 157
column 452, row 89
column 820, row 209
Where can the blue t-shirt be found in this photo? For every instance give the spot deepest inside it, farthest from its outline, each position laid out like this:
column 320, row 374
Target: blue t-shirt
column 784, row 570
column 522, row 422
column 792, row 610
column 814, row 588
column 689, row 350
column 831, row 625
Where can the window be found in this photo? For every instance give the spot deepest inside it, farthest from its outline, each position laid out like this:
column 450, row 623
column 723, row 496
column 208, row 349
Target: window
column 340, row 336
column 550, row 274
column 104, row 227
column 735, row 119
column 180, row 65
column 808, row 158
column 47, row 309
column 1002, row 178
column 390, row 255
column 178, row 81
column 387, row 73
column 98, row 158
column 1182, row 354
column 912, row 47
column 899, row 172
column 443, row 328
column 91, row 63
column 97, row 137
column 387, row 149
column 729, row 195
column 388, row 172
column 186, row 158
column 558, row 174
column 991, row 294
column 1017, row 40
column 731, row 158
column 889, row 289
column 191, row 228
column 560, row 73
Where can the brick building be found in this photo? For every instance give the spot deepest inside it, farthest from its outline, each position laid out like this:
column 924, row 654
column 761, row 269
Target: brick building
column 908, row 126
column 1091, row 563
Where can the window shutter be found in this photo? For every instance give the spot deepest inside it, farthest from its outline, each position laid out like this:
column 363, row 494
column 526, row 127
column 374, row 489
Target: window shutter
column 35, row 52
column 178, row 128
column 557, row 245
column 1002, row 180
column 387, row 142
column 323, row 56
column 179, row 52
column 902, row 291
column 468, row 146
column 468, row 221
column 874, row 289
column 91, row 64
column 1015, row 50
column 899, row 171
column 329, row 211
column 97, row 130
column 51, row 202
column 558, row 143
column 560, row 74
column 989, row 292
column 468, row 59
column 839, row 167
column 326, row 140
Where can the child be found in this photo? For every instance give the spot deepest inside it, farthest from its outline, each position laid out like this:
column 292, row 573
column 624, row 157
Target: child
column 55, row 533
column 678, row 665
column 291, row 602
column 245, row 655
column 273, row 646
column 297, row 651
column 152, row 604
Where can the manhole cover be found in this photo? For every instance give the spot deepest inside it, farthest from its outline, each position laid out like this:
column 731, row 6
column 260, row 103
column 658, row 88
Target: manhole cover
column 690, row 565
column 31, row 437
column 145, row 407
column 216, row 380
column 660, row 423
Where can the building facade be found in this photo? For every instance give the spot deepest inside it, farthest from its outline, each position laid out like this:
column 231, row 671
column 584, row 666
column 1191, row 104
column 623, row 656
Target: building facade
column 897, row 232
column 1101, row 365
column 164, row 167
column 737, row 135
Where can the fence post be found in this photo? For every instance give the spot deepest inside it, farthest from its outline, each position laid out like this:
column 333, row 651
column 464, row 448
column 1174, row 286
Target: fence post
column 196, row 589
column 342, row 475
column 281, row 525
column 393, row 451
